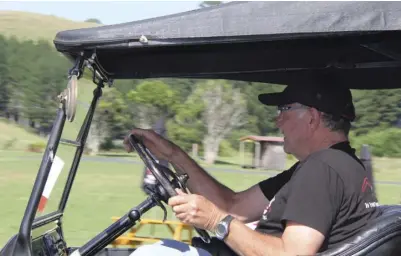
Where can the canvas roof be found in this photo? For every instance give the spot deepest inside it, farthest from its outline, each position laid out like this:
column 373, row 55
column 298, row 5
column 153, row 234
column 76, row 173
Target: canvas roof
column 274, row 42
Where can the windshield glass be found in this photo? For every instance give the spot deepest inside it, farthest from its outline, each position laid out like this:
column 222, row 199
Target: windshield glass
column 64, row 157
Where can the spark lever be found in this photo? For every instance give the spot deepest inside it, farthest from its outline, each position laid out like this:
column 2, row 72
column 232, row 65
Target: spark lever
column 158, row 203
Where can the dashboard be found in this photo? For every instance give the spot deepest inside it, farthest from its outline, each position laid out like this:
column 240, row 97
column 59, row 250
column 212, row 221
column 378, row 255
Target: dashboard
column 50, row 244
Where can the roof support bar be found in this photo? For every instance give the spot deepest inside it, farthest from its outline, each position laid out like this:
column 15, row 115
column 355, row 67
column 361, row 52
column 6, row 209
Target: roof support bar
column 385, row 51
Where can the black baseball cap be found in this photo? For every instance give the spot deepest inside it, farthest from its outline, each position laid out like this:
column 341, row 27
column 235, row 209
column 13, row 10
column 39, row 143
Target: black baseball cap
column 334, row 100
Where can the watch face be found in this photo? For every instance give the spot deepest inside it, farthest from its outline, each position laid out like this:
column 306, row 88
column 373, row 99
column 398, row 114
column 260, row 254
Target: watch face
column 221, row 229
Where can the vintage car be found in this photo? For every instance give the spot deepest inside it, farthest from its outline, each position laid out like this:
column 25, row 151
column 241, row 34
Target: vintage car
column 357, row 43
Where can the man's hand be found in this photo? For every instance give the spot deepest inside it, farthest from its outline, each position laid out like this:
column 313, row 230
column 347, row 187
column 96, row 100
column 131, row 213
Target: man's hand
column 162, row 148
column 196, row 210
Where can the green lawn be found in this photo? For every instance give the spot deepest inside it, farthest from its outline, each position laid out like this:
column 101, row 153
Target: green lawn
column 15, row 137
column 105, row 189
column 387, row 169
column 101, row 190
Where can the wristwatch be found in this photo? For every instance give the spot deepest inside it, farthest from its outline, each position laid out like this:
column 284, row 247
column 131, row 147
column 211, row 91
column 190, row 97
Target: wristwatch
column 222, row 228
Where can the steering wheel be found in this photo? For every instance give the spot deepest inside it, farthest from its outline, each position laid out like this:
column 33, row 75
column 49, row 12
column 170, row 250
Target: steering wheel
column 168, row 179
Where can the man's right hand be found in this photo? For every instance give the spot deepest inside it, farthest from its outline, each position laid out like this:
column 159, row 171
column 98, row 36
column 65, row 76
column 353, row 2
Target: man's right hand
column 160, row 147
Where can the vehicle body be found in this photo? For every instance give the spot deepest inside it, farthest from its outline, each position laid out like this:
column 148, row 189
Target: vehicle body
column 356, row 43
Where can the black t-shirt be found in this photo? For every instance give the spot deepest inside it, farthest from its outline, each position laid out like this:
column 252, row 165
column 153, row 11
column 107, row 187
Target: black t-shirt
column 328, row 191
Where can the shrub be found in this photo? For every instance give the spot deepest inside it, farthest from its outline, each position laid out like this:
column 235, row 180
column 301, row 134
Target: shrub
column 37, row 147
column 382, row 142
column 107, row 144
column 9, row 144
column 225, row 149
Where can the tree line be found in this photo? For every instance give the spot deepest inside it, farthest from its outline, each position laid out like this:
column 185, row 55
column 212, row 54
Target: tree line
column 32, row 74
column 211, row 113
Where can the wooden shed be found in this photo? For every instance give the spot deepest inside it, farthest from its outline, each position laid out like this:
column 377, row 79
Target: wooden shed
column 268, row 152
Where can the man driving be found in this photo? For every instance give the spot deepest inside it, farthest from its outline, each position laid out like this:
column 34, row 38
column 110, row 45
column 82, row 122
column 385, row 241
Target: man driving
column 320, row 202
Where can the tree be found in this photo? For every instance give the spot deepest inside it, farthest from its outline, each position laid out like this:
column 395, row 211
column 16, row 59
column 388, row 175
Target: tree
column 36, row 77
column 223, row 108
column 263, row 116
column 94, row 20
column 98, row 133
column 113, row 114
column 182, row 87
column 186, row 127
column 379, row 108
column 209, row 3
column 43, row 80
column 111, row 121
column 150, row 101
column 4, row 76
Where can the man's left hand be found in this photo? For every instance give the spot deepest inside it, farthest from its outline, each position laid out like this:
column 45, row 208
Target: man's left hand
column 196, row 210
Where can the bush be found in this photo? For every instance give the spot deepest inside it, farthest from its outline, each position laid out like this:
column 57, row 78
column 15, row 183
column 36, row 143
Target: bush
column 185, row 137
column 9, row 144
column 382, row 142
column 107, row 144
column 291, row 158
column 225, row 149
column 37, row 147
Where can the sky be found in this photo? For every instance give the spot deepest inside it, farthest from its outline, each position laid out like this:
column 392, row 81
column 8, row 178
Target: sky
column 108, row 12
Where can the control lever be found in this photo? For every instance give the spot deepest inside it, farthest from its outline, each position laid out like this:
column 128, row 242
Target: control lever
column 158, row 196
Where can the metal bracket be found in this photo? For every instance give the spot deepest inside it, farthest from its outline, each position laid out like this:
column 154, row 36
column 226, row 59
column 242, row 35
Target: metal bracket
column 383, row 51
column 99, row 74
column 78, row 68
column 378, row 64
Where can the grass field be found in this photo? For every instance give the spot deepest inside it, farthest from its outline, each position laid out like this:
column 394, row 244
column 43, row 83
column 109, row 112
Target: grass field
column 104, row 189
column 101, row 190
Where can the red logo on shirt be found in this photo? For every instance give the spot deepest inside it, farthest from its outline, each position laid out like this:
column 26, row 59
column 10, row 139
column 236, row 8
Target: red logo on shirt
column 366, row 184
column 268, row 209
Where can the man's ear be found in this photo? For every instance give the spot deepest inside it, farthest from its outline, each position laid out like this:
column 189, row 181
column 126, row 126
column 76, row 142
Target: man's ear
column 314, row 122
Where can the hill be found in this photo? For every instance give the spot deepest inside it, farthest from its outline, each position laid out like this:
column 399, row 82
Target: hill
column 16, row 137
column 33, row 26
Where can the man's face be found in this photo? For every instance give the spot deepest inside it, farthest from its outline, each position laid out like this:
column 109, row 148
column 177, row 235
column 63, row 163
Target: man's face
column 292, row 122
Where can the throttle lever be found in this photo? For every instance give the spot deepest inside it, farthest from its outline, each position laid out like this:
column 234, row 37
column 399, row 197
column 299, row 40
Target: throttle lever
column 204, row 235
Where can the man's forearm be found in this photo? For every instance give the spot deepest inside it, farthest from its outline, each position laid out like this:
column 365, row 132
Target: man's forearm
column 254, row 243
column 200, row 182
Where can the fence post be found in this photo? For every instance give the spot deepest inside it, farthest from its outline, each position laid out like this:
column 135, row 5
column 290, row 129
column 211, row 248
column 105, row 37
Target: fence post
column 194, row 150
column 366, row 159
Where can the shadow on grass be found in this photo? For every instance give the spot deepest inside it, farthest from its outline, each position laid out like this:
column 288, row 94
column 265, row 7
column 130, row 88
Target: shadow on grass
column 226, row 163
column 116, row 155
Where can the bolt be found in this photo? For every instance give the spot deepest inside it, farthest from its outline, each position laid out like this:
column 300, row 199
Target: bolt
column 183, row 178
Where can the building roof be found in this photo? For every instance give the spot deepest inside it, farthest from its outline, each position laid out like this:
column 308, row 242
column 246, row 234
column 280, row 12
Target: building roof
column 262, row 138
